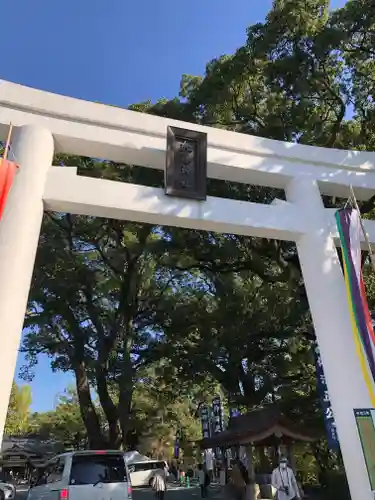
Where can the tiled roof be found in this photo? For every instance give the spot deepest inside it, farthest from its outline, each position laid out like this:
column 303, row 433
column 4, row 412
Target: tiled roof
column 258, row 426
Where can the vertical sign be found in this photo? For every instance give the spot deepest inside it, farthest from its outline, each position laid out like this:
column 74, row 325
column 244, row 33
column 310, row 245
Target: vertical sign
column 217, row 420
column 329, row 421
column 366, row 430
column 177, row 444
column 217, row 413
column 224, row 422
column 205, row 417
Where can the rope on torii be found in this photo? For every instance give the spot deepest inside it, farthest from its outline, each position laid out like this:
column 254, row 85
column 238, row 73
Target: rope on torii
column 7, row 142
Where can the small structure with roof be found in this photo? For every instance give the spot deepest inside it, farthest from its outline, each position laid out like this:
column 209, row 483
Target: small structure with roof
column 20, row 456
column 266, row 434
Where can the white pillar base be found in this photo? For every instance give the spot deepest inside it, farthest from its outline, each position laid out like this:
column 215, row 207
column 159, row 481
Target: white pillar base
column 326, row 293
column 19, row 234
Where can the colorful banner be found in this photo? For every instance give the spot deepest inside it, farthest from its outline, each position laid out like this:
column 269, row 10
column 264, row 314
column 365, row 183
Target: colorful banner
column 349, row 226
column 329, row 421
column 7, row 172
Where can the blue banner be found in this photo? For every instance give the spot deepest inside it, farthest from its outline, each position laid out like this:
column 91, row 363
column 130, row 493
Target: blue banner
column 218, row 423
column 329, row 421
column 217, row 413
column 233, row 409
column 177, row 444
column 205, row 421
column 234, row 412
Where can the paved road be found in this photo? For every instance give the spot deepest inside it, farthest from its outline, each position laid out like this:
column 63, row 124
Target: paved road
column 176, row 493
column 173, row 493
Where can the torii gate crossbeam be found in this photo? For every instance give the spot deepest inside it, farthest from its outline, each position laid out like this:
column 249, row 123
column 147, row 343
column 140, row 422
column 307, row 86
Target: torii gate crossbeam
column 46, row 123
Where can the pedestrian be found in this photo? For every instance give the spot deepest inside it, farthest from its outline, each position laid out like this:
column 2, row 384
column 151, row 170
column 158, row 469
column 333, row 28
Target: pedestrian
column 283, row 479
column 159, row 486
column 202, row 479
column 174, row 471
column 182, row 476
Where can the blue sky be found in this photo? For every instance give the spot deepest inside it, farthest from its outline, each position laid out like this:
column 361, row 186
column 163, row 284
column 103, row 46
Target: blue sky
column 116, row 52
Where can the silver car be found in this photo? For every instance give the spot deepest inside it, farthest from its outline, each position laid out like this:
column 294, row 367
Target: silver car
column 9, row 491
column 84, row 475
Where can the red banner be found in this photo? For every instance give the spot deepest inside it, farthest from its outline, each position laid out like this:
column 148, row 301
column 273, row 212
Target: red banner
column 7, row 172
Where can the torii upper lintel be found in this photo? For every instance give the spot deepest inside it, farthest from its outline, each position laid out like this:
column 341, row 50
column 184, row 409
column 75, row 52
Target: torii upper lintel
column 99, row 131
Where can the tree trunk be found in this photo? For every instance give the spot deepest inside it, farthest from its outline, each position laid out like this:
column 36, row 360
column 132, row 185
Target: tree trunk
column 109, row 409
column 125, row 401
column 126, row 392
column 88, row 413
column 322, row 459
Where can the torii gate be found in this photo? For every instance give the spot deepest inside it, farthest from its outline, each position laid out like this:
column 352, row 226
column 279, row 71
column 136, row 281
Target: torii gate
column 46, row 123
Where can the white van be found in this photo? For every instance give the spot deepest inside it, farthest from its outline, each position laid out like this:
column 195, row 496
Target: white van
column 84, row 475
column 141, row 473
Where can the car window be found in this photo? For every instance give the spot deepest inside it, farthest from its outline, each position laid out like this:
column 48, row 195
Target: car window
column 138, row 467
column 55, row 471
column 142, row 466
column 97, row 468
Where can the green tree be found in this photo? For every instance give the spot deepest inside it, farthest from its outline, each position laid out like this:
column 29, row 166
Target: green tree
column 63, row 424
column 164, row 403
column 17, row 421
column 97, row 286
column 252, row 337
column 304, row 75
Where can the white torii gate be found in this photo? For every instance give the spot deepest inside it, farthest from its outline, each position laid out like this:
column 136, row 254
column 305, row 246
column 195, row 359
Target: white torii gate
column 47, row 123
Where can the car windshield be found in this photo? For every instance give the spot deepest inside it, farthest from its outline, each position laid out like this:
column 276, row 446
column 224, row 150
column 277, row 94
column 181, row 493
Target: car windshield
column 97, row 468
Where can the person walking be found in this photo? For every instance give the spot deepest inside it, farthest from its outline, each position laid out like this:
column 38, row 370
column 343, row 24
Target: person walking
column 182, row 476
column 159, row 486
column 202, row 481
column 283, row 479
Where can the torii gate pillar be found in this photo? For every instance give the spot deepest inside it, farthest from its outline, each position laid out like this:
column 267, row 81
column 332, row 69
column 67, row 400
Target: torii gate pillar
column 326, row 293
column 33, row 149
